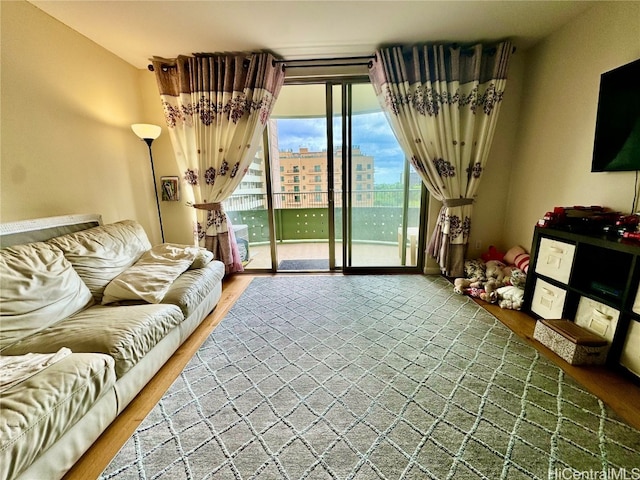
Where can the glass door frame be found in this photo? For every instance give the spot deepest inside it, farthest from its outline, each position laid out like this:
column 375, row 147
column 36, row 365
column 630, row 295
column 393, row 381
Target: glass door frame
column 331, row 203
column 347, row 193
column 345, row 83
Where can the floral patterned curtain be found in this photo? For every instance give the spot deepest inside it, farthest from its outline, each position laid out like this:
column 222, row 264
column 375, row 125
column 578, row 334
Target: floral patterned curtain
column 442, row 102
column 216, row 107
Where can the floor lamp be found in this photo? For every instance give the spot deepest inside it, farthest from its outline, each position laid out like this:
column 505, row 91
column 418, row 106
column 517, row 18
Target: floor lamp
column 149, row 133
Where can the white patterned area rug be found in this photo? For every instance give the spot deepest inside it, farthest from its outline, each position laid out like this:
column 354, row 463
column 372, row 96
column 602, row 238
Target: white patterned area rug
column 372, row 377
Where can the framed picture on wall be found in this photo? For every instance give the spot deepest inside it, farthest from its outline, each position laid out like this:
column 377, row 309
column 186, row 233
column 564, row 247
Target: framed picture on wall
column 170, row 192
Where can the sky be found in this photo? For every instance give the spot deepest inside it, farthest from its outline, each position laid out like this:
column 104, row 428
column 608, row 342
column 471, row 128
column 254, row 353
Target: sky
column 371, row 132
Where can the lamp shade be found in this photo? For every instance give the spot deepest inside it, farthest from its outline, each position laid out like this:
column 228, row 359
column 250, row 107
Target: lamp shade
column 146, row 130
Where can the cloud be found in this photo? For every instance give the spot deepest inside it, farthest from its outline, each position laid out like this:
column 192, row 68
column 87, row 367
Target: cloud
column 371, row 132
column 302, row 132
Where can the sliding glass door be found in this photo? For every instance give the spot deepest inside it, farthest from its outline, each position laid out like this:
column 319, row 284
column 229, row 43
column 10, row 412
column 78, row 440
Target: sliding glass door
column 381, row 192
column 334, row 189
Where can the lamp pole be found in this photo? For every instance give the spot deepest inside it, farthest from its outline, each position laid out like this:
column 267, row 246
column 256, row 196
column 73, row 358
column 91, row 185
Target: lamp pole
column 149, row 141
column 149, row 133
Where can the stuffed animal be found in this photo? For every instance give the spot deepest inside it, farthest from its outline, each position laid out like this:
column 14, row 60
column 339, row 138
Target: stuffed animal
column 481, row 293
column 490, row 293
column 518, row 278
column 475, row 269
column 494, row 271
column 474, row 292
column 460, row 285
column 492, row 254
column 519, row 257
column 510, row 297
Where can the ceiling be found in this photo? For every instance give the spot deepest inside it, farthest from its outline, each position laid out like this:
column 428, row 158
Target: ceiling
column 137, row 30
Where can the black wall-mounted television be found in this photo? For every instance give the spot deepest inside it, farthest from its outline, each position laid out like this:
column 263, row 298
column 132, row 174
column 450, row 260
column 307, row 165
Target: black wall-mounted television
column 617, row 141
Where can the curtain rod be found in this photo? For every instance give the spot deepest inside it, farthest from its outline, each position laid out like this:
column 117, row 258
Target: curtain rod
column 332, row 62
column 350, row 64
column 333, row 59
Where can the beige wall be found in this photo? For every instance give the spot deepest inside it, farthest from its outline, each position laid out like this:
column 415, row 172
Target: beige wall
column 552, row 165
column 67, row 107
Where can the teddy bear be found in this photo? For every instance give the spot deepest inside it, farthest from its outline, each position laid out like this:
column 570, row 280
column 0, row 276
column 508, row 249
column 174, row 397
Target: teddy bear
column 494, row 270
column 511, row 296
column 460, row 285
column 486, row 291
column 490, row 293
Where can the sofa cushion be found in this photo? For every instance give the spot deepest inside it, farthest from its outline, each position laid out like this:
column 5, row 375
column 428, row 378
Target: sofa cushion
column 38, row 287
column 35, row 413
column 126, row 333
column 101, row 253
column 16, row 369
column 151, row 276
column 190, row 288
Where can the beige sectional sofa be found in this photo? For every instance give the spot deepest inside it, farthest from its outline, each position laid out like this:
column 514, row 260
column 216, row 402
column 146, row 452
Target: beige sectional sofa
column 88, row 314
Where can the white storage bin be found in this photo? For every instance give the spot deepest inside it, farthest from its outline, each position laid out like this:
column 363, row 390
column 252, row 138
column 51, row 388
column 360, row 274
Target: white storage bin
column 548, row 300
column 630, row 357
column 555, row 259
column 597, row 318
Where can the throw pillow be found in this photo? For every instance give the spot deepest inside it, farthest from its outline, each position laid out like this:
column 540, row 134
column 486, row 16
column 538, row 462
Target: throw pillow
column 151, row 276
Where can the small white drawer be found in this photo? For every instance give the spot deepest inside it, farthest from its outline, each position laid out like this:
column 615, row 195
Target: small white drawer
column 554, row 259
column 597, row 318
column 548, row 300
column 630, row 357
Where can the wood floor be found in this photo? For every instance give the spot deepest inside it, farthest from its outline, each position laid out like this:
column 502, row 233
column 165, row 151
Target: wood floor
column 621, row 394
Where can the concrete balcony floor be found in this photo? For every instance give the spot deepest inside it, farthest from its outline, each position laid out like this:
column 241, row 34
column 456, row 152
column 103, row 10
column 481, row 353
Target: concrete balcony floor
column 364, row 254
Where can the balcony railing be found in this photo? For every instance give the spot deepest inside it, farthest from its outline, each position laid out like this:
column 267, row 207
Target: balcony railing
column 376, row 216
column 319, row 199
